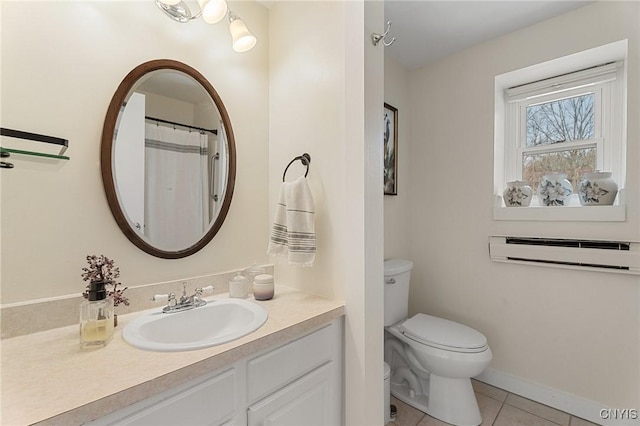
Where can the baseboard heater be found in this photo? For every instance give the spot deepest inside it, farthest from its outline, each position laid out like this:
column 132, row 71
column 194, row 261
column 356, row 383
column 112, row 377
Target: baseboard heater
column 596, row 255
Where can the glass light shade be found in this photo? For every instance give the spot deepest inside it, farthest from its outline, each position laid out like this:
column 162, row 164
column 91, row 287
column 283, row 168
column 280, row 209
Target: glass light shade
column 170, row 2
column 243, row 40
column 213, row 10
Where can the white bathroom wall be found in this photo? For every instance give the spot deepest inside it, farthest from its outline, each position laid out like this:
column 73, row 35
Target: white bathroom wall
column 61, row 63
column 326, row 96
column 165, row 108
column 396, row 207
column 572, row 331
column 307, row 114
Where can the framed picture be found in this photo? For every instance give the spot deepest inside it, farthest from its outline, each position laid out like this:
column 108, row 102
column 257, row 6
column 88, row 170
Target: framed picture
column 390, row 150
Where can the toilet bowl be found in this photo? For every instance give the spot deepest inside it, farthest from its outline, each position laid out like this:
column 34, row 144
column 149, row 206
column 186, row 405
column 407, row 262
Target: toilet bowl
column 432, row 359
column 441, row 385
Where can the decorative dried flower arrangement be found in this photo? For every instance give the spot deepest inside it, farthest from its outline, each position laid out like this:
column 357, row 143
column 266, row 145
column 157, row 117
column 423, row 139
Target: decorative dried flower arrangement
column 101, row 268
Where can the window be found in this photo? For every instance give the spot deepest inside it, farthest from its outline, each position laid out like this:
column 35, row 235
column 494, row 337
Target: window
column 566, row 115
column 562, row 124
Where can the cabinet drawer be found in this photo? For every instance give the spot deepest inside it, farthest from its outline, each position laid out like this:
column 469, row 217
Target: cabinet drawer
column 277, row 368
column 209, row 402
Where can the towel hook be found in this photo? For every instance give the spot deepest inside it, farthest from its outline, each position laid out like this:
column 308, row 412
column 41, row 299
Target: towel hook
column 305, row 159
column 376, row 38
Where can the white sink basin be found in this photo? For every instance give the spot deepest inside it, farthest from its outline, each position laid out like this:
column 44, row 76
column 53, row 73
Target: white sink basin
column 219, row 321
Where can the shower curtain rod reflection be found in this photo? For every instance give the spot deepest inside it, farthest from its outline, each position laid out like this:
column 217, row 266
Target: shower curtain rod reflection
column 159, row 120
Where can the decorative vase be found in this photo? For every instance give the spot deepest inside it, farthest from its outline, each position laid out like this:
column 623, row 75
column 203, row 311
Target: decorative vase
column 555, row 190
column 597, row 189
column 517, row 194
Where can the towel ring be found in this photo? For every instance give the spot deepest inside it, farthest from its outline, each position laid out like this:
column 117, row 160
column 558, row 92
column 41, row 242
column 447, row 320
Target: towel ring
column 305, row 159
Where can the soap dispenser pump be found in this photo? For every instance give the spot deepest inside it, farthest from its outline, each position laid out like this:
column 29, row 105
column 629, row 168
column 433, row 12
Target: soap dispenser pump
column 96, row 317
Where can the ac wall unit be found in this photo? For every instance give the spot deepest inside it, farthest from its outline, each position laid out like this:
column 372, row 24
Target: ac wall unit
column 596, row 255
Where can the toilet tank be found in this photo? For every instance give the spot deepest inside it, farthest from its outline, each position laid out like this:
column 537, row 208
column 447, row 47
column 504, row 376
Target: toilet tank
column 396, row 290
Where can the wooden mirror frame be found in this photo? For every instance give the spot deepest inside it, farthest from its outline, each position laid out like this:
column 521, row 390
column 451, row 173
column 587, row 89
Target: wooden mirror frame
column 106, row 156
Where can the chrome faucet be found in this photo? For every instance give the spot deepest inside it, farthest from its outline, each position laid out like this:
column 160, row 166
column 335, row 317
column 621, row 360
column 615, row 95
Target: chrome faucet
column 185, row 302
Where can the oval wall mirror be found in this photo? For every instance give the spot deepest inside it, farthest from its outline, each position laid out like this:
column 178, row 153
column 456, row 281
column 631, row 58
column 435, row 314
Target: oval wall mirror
column 168, row 159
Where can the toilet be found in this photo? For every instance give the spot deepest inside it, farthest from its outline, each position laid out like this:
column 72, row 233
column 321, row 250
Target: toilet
column 432, row 359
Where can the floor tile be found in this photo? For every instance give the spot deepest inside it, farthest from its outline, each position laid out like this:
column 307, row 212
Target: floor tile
column 577, row 421
column 548, row 413
column 427, row 420
column 498, row 408
column 488, row 390
column 407, row 415
column 489, row 409
column 511, row 416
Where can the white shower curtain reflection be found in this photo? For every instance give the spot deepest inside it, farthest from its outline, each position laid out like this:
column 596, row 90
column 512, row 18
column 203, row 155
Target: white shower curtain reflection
column 176, row 212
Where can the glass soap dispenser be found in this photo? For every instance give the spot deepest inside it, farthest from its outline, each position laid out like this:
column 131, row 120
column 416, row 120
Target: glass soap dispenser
column 239, row 286
column 96, row 317
column 251, row 273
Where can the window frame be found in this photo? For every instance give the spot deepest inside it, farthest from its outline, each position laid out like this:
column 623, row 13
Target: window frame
column 602, row 74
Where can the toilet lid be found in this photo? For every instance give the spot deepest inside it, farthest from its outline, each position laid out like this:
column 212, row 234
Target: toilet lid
column 443, row 333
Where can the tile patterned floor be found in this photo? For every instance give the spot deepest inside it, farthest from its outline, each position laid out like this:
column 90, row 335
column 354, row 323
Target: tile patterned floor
column 498, row 408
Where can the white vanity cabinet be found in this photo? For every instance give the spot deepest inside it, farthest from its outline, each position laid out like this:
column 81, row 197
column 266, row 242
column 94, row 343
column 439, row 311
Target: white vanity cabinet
column 298, row 383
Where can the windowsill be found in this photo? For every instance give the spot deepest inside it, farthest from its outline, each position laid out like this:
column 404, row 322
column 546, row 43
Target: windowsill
column 571, row 213
column 562, row 214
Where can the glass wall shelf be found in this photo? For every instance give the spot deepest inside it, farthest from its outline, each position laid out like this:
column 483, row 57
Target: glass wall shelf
column 62, row 143
column 36, row 154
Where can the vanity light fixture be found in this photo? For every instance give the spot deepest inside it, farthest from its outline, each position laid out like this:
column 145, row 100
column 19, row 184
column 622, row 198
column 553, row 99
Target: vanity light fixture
column 212, row 12
column 243, row 40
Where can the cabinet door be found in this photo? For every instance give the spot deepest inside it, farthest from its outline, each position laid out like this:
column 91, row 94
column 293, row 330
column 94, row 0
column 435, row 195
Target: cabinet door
column 277, row 368
column 309, row 401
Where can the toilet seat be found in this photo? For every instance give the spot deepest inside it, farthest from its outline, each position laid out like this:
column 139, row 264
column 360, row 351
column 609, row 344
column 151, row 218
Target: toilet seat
column 443, row 334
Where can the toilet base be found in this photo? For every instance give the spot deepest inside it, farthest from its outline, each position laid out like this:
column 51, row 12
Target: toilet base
column 450, row 400
column 402, row 393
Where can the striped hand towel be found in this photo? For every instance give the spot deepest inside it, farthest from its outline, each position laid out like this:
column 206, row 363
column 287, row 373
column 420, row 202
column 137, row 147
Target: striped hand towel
column 293, row 233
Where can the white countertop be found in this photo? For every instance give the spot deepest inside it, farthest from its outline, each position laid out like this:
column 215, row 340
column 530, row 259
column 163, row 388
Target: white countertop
column 47, row 378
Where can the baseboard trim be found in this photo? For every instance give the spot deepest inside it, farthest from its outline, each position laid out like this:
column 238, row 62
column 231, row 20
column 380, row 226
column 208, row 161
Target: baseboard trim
column 572, row 404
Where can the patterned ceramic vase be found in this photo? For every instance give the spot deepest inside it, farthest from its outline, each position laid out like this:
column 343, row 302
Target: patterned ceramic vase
column 597, row 189
column 517, row 194
column 555, row 190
